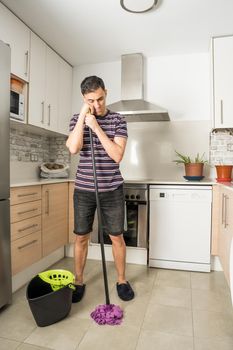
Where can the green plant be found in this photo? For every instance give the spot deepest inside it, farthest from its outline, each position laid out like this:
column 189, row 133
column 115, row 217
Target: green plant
column 187, row 160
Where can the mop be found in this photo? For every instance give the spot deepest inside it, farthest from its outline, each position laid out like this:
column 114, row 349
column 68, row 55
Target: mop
column 108, row 313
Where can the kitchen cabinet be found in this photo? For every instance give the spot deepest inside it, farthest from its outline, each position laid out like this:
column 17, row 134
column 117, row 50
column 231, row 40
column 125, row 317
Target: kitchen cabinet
column 54, row 217
column 222, row 57
column 226, row 232
column 15, row 33
column 43, row 89
column 64, row 96
column 25, row 227
column 50, row 88
column 71, row 213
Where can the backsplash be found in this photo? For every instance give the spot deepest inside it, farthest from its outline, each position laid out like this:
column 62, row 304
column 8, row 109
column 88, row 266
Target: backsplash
column 30, row 147
column 221, row 147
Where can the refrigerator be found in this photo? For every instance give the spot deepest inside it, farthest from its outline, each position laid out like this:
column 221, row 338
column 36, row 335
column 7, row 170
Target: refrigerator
column 5, row 248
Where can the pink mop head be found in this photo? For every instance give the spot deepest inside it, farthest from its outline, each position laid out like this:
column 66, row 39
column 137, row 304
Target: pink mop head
column 107, row 314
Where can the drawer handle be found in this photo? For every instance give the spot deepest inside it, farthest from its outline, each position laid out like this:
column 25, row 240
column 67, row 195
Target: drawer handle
column 27, row 244
column 27, row 211
column 26, row 228
column 27, row 194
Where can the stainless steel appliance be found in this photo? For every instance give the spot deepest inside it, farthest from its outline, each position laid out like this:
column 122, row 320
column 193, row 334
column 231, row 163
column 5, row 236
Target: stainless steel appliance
column 5, row 251
column 17, row 105
column 136, row 217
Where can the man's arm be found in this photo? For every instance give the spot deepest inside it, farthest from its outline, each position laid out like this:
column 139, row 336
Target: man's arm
column 116, row 148
column 75, row 140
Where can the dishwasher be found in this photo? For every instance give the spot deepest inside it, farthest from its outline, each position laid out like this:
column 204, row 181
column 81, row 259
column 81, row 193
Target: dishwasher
column 180, row 227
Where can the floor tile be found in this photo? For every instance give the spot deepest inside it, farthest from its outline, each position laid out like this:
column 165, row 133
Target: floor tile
column 150, row 340
column 210, row 344
column 172, row 296
column 173, row 278
column 31, row 347
column 211, row 301
column 7, row 344
column 213, row 325
column 110, row 337
column 168, row 319
column 214, row 281
column 17, row 321
column 62, row 335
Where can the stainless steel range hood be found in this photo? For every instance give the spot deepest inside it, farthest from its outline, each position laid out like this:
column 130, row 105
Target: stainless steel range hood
column 132, row 104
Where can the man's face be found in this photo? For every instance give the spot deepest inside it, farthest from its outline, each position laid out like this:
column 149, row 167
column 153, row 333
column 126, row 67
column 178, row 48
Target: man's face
column 97, row 100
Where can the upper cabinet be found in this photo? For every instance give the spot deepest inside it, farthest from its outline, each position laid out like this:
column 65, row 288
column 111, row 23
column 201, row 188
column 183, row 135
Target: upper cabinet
column 50, row 88
column 17, row 35
column 222, row 58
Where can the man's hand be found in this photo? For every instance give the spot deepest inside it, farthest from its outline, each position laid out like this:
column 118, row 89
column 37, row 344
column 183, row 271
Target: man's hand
column 91, row 122
column 86, row 109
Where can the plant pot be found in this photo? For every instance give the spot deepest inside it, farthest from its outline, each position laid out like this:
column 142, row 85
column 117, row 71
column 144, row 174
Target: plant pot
column 223, row 173
column 194, row 169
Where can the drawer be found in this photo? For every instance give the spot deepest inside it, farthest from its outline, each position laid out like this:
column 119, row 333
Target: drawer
column 25, row 227
column 25, row 211
column 25, row 194
column 25, row 251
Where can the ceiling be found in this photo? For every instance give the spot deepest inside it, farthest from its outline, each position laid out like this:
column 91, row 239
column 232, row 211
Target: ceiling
column 85, row 32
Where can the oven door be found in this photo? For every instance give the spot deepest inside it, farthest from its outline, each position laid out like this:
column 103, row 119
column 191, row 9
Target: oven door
column 136, row 224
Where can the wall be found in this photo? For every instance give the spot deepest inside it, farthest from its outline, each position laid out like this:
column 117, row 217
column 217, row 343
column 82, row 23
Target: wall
column 180, row 83
column 28, row 150
column 221, row 147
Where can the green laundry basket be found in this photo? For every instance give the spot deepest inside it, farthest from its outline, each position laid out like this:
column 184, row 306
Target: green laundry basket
column 49, row 295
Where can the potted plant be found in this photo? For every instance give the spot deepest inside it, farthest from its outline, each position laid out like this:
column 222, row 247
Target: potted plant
column 193, row 167
column 223, row 172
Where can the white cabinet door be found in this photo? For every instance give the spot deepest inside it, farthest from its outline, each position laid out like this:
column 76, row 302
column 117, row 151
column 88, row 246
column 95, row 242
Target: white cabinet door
column 223, row 81
column 37, row 86
column 52, row 83
column 65, row 96
column 17, row 35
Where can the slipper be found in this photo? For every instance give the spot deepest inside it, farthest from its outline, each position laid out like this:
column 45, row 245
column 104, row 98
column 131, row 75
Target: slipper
column 78, row 293
column 125, row 291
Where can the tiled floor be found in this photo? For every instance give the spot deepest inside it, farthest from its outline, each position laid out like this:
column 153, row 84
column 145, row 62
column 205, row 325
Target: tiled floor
column 173, row 310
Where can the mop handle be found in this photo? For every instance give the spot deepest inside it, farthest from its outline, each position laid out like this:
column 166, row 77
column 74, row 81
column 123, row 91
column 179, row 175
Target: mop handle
column 101, row 234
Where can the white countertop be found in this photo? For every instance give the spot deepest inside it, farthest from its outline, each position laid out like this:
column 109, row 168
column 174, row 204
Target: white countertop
column 204, row 182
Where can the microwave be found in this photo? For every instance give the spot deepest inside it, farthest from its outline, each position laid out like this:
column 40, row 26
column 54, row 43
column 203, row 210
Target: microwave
column 17, row 105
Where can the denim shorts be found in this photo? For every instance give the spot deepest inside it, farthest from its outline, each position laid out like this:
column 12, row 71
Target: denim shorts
column 112, row 209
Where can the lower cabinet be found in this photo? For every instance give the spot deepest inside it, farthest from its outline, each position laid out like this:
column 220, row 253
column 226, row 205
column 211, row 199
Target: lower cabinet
column 25, row 227
column 226, row 232
column 54, row 217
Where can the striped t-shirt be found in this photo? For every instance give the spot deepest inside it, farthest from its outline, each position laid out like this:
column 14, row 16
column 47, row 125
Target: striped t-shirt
column 109, row 176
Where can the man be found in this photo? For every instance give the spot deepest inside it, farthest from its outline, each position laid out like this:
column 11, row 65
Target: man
column 109, row 139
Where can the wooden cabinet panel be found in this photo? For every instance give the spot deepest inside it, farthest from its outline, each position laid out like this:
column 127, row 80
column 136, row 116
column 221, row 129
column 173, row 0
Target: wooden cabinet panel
column 25, row 194
column 25, row 210
column 54, row 217
column 71, row 213
column 226, row 231
column 25, row 251
column 215, row 219
column 25, row 227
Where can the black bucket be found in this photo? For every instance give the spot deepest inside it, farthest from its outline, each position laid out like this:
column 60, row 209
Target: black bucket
column 48, row 306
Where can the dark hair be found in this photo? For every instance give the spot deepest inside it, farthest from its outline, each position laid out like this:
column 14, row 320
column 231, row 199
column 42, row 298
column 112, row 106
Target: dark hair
column 90, row 84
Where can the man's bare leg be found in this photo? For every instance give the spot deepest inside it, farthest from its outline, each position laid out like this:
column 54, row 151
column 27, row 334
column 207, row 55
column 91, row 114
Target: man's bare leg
column 80, row 256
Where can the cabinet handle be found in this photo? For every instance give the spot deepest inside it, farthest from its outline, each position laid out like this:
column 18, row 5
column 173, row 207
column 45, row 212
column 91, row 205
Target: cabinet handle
column 47, row 210
column 27, row 244
column 49, row 108
column 221, row 110
column 27, row 211
column 26, row 194
column 26, row 63
column 26, row 228
column 223, row 208
column 225, row 221
column 42, row 114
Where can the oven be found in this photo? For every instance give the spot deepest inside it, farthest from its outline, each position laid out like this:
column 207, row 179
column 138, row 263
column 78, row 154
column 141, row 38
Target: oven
column 136, row 218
